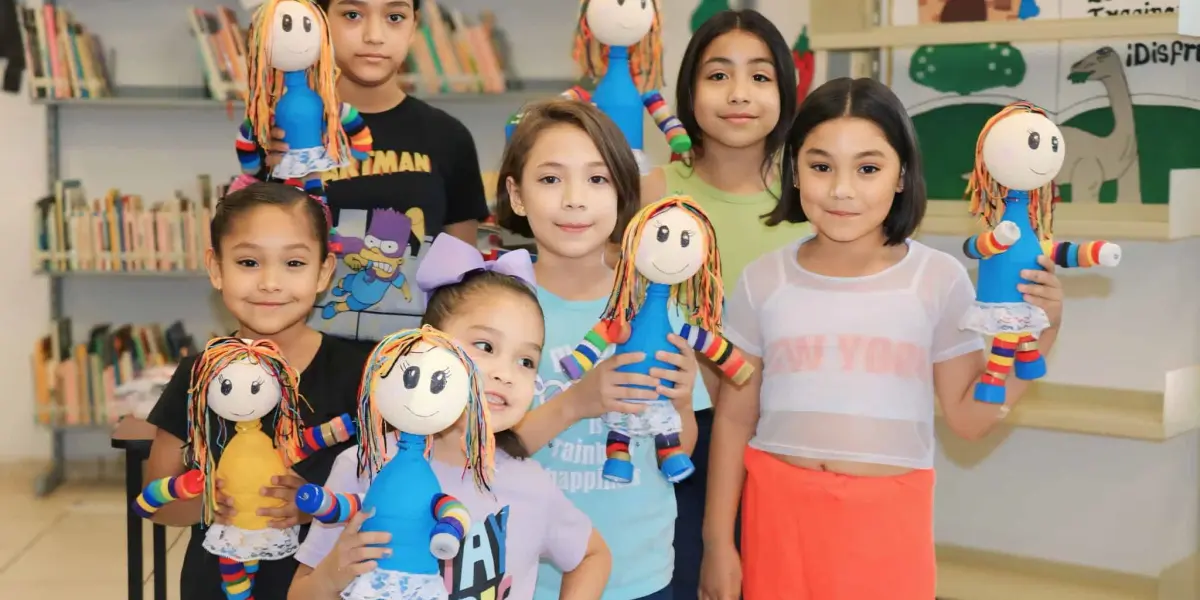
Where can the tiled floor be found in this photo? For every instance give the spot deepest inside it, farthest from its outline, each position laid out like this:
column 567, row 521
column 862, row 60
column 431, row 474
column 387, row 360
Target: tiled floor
column 71, row 544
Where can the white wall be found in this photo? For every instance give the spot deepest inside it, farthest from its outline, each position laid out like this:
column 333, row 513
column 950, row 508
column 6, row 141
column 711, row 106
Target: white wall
column 1105, row 502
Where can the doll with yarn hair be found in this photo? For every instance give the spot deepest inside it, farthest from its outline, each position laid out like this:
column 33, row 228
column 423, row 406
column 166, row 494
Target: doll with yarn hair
column 619, row 43
column 293, row 82
column 242, row 382
column 668, row 261
column 1017, row 157
column 417, row 383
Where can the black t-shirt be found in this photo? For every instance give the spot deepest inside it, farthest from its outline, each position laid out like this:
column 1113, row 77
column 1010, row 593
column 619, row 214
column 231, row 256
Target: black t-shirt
column 330, row 386
column 423, row 174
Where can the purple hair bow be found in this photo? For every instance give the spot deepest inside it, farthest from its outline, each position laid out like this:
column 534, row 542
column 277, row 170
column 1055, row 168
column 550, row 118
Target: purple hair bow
column 450, row 258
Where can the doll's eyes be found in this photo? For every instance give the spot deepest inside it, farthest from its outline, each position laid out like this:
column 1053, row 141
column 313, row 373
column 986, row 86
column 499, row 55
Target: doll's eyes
column 1035, row 140
column 685, row 238
column 255, row 387
column 287, row 22
column 412, row 376
column 437, row 383
column 663, row 233
column 307, row 25
column 1054, row 143
column 226, row 387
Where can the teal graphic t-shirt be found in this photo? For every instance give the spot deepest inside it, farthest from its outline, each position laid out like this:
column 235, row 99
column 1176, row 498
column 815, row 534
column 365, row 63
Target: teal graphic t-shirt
column 636, row 519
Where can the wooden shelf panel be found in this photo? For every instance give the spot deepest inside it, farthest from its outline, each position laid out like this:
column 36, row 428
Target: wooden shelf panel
column 1034, row 30
column 1150, row 222
column 1109, row 412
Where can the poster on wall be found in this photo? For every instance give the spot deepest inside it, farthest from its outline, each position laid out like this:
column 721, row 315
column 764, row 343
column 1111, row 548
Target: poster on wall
column 1129, row 109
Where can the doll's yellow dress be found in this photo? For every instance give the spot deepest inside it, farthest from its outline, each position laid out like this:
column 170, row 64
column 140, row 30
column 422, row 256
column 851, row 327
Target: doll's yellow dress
column 247, row 464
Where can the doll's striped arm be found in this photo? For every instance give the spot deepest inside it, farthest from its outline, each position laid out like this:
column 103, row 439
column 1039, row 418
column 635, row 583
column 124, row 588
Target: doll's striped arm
column 668, row 123
column 249, row 153
column 453, row 522
column 985, row 245
column 326, row 506
column 588, row 352
column 313, row 439
column 574, row 93
column 1069, row 255
column 718, row 349
column 357, row 132
column 168, row 489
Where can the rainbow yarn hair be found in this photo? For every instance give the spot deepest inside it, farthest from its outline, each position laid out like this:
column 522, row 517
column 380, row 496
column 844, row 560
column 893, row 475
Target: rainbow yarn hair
column 987, row 195
column 478, row 441
column 701, row 295
column 266, row 82
column 645, row 57
column 206, row 429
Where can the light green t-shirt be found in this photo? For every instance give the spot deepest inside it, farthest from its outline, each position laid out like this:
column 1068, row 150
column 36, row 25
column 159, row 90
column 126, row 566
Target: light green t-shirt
column 742, row 236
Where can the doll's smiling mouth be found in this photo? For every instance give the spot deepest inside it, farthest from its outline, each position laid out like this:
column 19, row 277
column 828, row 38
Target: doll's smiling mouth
column 1037, row 171
column 245, row 414
column 417, row 414
column 666, row 272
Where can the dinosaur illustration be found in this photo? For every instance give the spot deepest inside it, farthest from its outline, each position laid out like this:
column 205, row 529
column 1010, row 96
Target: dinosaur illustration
column 1092, row 159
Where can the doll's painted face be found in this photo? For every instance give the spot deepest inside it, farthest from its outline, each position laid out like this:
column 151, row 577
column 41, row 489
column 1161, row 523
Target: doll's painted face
column 243, row 391
column 295, row 42
column 1024, row 151
column 425, row 392
column 620, row 22
column 672, row 247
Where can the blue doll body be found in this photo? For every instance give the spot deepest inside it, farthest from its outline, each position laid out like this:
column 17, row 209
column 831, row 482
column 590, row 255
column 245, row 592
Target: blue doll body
column 300, row 113
column 648, row 333
column 401, row 496
column 999, row 275
column 618, row 97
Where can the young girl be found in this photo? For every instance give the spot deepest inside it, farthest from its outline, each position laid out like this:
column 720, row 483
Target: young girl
column 856, row 333
column 569, row 180
column 422, row 178
column 269, row 260
column 736, row 97
column 491, row 310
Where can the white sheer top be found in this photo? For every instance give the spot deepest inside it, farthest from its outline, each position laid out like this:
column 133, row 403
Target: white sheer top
column 848, row 362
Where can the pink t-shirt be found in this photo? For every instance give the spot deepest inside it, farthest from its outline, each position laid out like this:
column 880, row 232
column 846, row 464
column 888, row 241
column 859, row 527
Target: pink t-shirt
column 525, row 519
column 848, row 361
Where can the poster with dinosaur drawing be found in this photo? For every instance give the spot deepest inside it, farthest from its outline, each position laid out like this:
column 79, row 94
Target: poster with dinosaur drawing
column 1129, row 109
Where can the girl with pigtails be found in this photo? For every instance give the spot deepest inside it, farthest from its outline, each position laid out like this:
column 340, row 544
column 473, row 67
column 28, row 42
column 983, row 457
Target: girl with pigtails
column 245, row 424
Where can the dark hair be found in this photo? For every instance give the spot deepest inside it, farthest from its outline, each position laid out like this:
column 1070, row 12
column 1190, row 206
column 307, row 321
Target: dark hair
column 324, row 4
column 614, row 149
column 266, row 194
column 754, row 23
column 443, row 303
column 867, row 99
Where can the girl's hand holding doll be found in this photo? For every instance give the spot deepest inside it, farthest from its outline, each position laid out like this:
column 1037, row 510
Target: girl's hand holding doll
column 1045, row 291
column 284, row 487
column 224, row 511
column 354, row 554
column 683, row 376
column 604, row 389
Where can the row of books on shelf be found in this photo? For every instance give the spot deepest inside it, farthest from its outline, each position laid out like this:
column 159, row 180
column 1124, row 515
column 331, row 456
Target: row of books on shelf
column 64, row 59
column 106, row 375
column 451, row 54
column 122, row 232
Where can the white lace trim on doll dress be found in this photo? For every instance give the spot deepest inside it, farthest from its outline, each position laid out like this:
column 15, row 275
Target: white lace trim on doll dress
column 245, row 544
column 299, row 162
column 659, row 417
column 991, row 318
column 382, row 584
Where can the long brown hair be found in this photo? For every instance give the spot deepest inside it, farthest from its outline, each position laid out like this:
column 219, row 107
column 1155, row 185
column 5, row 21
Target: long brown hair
column 536, row 118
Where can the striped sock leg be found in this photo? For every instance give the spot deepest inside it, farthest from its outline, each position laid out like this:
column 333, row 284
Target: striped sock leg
column 251, row 571
column 1030, row 364
column 990, row 388
column 235, row 580
column 674, row 464
column 618, row 466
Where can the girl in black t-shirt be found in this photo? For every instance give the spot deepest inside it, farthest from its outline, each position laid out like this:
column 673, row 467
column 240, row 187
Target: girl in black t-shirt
column 422, row 178
column 269, row 260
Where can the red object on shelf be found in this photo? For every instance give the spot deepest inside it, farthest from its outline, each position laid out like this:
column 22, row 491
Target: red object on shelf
column 805, row 61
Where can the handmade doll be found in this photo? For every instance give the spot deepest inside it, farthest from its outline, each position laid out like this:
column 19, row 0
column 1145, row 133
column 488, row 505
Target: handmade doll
column 1017, row 157
column 417, row 383
column 619, row 42
column 668, row 260
column 292, row 81
column 242, row 382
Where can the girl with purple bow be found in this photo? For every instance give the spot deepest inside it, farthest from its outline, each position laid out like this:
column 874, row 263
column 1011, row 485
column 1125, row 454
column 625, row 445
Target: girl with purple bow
column 491, row 309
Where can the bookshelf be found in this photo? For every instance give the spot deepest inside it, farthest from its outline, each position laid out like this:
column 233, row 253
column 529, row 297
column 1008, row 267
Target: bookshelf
column 186, row 98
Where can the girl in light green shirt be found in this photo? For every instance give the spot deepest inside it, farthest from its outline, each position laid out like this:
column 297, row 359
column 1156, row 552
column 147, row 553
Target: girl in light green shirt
column 736, row 97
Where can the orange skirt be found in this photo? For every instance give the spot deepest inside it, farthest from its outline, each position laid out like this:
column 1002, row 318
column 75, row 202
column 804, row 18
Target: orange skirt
column 817, row 535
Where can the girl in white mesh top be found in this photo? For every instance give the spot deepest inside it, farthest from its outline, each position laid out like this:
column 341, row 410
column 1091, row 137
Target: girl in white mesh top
column 855, row 334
